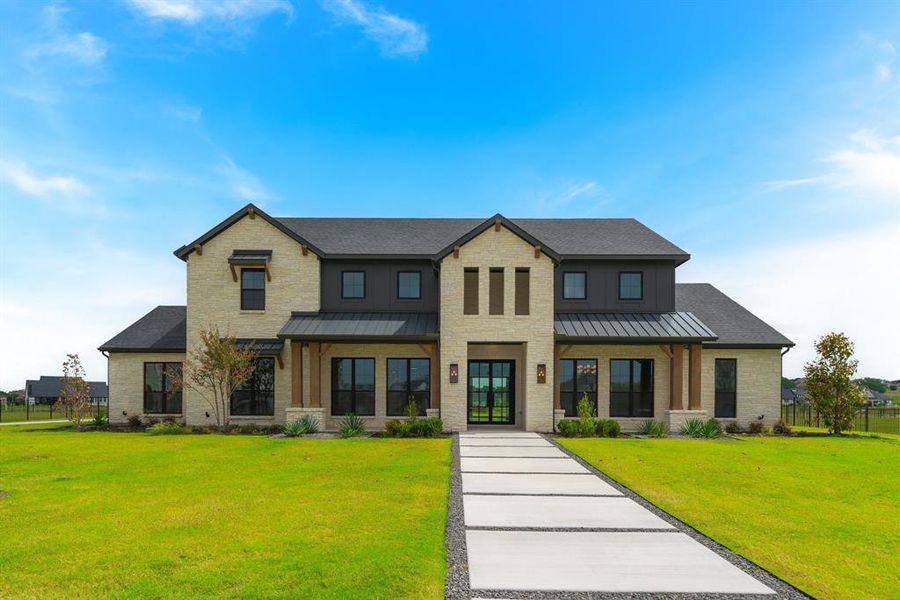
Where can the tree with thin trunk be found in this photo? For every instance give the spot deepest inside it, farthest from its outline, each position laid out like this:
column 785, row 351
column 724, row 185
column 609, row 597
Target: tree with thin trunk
column 829, row 385
column 75, row 395
column 215, row 368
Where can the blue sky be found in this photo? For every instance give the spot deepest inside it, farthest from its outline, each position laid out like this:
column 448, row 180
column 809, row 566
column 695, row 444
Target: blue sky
column 762, row 138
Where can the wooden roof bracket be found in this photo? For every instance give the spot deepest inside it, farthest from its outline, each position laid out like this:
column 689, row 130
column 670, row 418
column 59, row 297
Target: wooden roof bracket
column 667, row 350
column 252, row 212
column 537, row 251
column 455, row 251
column 233, row 272
column 268, row 273
column 496, row 223
column 304, row 249
column 198, row 248
column 280, row 360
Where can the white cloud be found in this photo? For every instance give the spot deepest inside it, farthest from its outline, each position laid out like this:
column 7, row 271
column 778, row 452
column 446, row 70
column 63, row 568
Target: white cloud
column 395, row 35
column 42, row 186
column 244, row 184
column 184, row 112
column 191, row 12
column 84, row 47
column 808, row 288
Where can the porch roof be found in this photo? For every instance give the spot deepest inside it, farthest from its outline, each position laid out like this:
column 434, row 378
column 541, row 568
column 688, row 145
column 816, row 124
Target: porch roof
column 263, row 347
column 361, row 326
column 631, row 327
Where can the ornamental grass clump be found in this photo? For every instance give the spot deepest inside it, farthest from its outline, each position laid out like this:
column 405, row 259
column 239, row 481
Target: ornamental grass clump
column 352, row 426
column 302, row 426
column 653, row 428
column 167, row 428
column 692, row 427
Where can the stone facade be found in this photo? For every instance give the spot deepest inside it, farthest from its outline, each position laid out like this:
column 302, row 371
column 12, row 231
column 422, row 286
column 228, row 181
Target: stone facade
column 758, row 383
column 126, row 382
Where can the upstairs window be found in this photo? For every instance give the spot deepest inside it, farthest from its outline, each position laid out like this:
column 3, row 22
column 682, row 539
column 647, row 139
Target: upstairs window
column 575, row 285
column 470, row 292
column 409, row 285
column 353, row 284
column 631, row 285
column 160, row 397
column 408, row 379
column 256, row 396
column 253, row 289
column 726, row 388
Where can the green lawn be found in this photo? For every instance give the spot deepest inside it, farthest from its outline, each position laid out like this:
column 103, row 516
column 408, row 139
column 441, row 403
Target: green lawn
column 822, row 513
column 100, row 514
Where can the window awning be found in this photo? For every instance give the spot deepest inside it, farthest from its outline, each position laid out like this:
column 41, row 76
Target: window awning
column 359, row 326
column 669, row 327
column 263, row 347
column 250, row 257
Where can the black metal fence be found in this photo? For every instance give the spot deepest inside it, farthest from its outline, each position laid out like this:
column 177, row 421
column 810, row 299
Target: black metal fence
column 46, row 411
column 878, row 419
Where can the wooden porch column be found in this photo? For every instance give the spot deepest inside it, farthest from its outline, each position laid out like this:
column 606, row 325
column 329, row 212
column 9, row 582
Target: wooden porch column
column 435, row 384
column 315, row 375
column 695, row 362
column 557, row 403
column 296, row 373
column 676, row 378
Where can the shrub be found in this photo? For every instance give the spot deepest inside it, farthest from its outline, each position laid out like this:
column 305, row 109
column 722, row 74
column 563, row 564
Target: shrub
column 412, row 410
column 414, row 427
column 587, row 427
column 169, row 419
column 732, row 427
column 352, row 426
column 653, row 428
column 167, row 428
column 98, row 421
column 781, row 428
column 608, row 428
column 303, row 425
column 395, row 428
column 585, row 409
column 692, row 427
column 756, row 426
column 134, row 421
column 711, row 429
column 569, row 427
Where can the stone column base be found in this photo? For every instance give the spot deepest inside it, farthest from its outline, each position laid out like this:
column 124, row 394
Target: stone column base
column 558, row 415
column 292, row 413
column 677, row 418
column 432, row 412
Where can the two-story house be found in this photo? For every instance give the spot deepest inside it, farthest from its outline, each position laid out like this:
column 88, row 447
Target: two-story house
column 496, row 322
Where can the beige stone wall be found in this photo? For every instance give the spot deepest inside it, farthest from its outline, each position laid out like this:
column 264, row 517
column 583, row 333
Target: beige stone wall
column 380, row 352
column 535, row 330
column 213, row 298
column 758, row 383
column 126, row 381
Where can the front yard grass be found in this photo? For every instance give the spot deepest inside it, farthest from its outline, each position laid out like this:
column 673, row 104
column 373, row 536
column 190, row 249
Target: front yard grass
column 99, row 514
column 822, row 513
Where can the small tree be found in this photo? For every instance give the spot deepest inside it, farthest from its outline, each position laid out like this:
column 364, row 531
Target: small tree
column 215, row 369
column 75, row 395
column 829, row 385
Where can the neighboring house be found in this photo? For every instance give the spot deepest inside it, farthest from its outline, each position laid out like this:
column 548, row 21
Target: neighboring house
column 48, row 388
column 787, row 396
column 496, row 322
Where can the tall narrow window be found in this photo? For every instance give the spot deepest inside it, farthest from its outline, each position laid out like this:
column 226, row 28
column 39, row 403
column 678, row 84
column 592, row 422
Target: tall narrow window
column 495, row 289
column 253, row 289
column 577, row 377
column 523, row 291
column 408, row 379
column 631, row 285
column 256, row 396
column 470, row 292
column 353, row 386
column 726, row 388
column 409, row 285
column 575, row 285
column 353, row 284
column 160, row 395
column 631, row 388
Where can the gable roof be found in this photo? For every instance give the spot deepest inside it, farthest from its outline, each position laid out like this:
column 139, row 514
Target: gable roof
column 735, row 325
column 435, row 238
column 50, row 386
column 163, row 329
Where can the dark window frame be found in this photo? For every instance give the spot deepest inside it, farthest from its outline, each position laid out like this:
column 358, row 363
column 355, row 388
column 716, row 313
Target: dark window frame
column 353, row 391
column 576, row 392
column 619, row 282
column 407, row 392
column 167, row 397
column 364, row 278
column 258, row 397
column 584, row 288
column 245, row 290
column 418, row 288
column 633, row 407
column 725, row 394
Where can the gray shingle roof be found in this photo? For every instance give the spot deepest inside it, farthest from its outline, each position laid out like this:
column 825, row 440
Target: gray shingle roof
column 361, row 326
column 163, row 329
column 600, row 237
column 734, row 324
column 631, row 327
column 50, row 386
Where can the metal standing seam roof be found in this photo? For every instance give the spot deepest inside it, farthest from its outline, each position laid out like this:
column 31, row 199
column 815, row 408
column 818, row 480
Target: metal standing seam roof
column 250, row 256
column 611, row 327
column 260, row 345
column 361, row 325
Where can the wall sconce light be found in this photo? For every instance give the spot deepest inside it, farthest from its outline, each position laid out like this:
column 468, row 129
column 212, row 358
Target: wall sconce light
column 124, row 413
column 454, row 372
column 207, row 414
column 542, row 373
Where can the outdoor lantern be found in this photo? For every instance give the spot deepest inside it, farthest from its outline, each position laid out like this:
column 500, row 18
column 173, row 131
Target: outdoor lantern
column 542, row 373
column 454, row 372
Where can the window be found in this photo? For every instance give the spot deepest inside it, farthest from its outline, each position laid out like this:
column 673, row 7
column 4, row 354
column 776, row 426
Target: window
column 631, row 388
column 577, row 377
column 409, row 285
column 408, row 378
column 470, row 292
column 495, row 292
column 726, row 388
column 253, row 289
column 523, row 291
column 353, row 386
column 353, row 284
column 631, row 286
column 575, row 285
column 256, row 396
column 160, row 397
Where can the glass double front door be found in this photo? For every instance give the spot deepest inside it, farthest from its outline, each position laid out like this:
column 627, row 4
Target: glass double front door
column 492, row 397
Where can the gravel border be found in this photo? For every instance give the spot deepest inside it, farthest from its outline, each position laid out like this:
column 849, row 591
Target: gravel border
column 456, row 583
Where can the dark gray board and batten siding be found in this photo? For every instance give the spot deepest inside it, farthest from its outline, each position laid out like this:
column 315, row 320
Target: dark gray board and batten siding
column 381, row 286
column 603, row 286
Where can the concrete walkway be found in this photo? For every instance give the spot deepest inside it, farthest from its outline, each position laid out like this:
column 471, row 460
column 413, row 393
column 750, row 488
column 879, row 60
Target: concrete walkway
column 538, row 521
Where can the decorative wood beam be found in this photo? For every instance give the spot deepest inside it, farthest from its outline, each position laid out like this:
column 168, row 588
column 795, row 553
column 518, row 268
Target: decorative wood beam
column 296, row 373
column 268, row 273
column 497, row 223
column 537, row 251
column 280, row 360
column 676, row 378
column 304, row 249
column 198, row 248
column 233, row 272
column 695, row 369
column 455, row 251
column 666, row 350
column 315, row 375
column 252, row 212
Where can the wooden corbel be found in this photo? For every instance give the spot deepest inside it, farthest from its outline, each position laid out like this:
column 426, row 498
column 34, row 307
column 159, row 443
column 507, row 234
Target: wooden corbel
column 455, row 251
column 304, row 249
column 666, row 350
column 280, row 361
column 537, row 251
column 233, row 271
column 268, row 273
column 198, row 249
column 496, row 223
column 252, row 212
